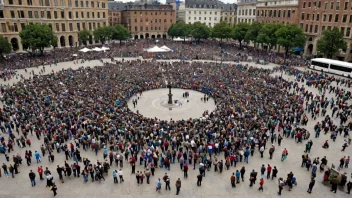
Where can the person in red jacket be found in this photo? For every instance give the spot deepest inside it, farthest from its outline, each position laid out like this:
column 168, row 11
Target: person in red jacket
column 268, row 170
column 40, row 171
column 261, row 183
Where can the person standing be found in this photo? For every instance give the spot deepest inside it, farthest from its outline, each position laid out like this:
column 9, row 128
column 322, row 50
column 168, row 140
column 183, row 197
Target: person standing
column 261, row 183
column 199, row 179
column 40, row 172
column 281, row 185
column 271, row 151
column 268, row 170
column 334, row 183
column 114, row 175
column 238, row 175
column 262, row 171
column 178, row 186
column 233, row 180
column 54, row 189
column 261, row 150
column 59, row 171
column 147, row 175
column 32, row 178
column 349, row 187
column 311, row 185
column 6, row 173
column 121, row 176
column 243, row 171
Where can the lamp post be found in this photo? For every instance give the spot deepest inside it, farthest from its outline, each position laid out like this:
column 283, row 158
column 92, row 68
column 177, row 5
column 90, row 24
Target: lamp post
column 170, row 94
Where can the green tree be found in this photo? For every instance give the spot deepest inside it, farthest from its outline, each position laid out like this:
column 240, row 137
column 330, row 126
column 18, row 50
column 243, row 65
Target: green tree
column 103, row 34
column 200, row 31
column 239, row 32
column 253, row 32
column 84, row 36
column 267, row 34
column 331, row 42
column 221, row 30
column 179, row 29
column 37, row 36
column 54, row 41
column 5, row 46
column 120, row 33
column 290, row 36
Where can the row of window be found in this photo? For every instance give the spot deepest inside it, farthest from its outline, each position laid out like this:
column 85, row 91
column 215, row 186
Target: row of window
column 63, row 3
column 151, row 20
column 52, row 14
column 332, row 6
column 209, row 24
column 205, row 18
column 204, row 12
column 246, row 12
column 141, row 28
column 274, row 13
column 309, row 29
column 151, row 13
column 246, row 20
column 91, row 26
column 326, row 17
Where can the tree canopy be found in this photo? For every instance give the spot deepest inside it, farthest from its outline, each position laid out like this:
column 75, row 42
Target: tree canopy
column 267, row 34
column 221, row 30
column 120, row 33
column 240, row 31
column 37, row 36
column 103, row 34
column 331, row 42
column 253, row 32
column 84, row 36
column 5, row 46
column 200, row 31
column 290, row 36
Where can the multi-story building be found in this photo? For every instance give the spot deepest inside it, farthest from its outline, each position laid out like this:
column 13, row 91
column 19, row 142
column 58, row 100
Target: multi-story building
column 229, row 13
column 319, row 15
column 278, row 11
column 246, row 11
column 204, row 11
column 145, row 20
column 65, row 17
column 115, row 13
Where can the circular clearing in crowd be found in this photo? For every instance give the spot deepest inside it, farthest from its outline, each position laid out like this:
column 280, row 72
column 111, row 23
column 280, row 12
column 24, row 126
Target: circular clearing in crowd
column 154, row 103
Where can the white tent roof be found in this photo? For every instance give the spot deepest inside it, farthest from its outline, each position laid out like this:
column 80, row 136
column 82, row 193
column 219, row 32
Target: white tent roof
column 156, row 49
column 165, row 48
column 180, row 39
column 97, row 49
column 105, row 48
column 84, row 50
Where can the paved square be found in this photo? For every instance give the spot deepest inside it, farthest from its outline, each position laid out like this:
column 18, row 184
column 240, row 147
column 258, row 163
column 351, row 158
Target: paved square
column 214, row 184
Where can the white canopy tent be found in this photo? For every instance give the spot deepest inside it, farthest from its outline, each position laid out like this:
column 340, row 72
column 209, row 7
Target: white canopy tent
column 166, row 48
column 85, row 50
column 156, row 49
column 180, row 39
column 105, row 49
column 97, row 49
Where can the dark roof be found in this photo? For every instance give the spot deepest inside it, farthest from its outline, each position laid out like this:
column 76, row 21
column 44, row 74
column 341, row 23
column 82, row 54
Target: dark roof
column 114, row 5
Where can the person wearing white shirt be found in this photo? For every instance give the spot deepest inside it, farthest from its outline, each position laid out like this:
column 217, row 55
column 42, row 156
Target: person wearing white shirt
column 121, row 175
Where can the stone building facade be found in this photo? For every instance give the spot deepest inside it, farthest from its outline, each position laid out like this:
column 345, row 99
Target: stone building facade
column 317, row 16
column 65, row 17
column 246, row 11
column 145, row 20
column 281, row 11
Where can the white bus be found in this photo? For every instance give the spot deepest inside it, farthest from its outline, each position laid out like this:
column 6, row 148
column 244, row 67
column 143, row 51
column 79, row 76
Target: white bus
column 332, row 66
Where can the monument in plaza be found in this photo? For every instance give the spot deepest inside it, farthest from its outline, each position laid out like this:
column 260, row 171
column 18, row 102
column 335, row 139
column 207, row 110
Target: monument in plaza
column 170, row 94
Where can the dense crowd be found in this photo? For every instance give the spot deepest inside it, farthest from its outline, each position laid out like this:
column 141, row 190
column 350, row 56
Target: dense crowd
column 205, row 50
column 75, row 109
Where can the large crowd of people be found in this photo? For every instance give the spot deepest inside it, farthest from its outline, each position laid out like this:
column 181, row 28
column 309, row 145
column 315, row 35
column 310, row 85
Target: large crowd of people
column 75, row 111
